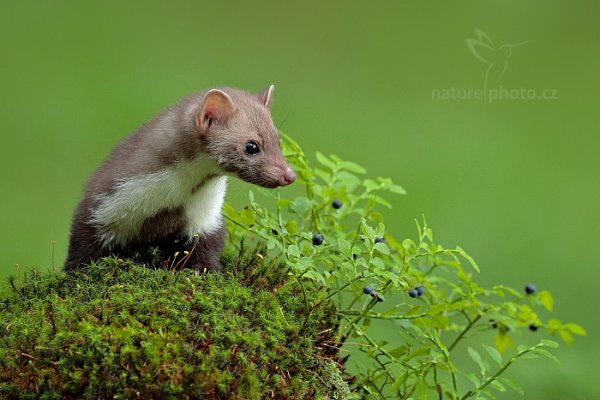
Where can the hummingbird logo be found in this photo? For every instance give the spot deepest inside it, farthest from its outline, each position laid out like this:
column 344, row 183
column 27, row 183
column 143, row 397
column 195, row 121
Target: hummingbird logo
column 495, row 57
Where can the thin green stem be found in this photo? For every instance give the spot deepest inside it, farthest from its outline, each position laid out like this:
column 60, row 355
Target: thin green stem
column 445, row 354
column 464, row 332
column 386, row 353
column 244, row 227
column 360, row 316
column 438, row 387
column 365, row 312
column 492, row 378
column 383, row 317
column 330, row 295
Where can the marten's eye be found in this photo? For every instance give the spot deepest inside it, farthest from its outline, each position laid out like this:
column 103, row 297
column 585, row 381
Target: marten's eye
column 252, row 148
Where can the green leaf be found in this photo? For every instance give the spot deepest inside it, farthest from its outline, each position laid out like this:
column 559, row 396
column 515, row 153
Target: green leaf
column 475, row 357
column 382, row 248
column 293, row 250
column 422, row 389
column 497, row 385
column 437, row 308
column 473, row 378
column 321, row 173
column 396, row 189
column 314, row 275
column 575, row 329
column 545, row 297
column 512, row 385
column 370, row 184
column 547, row 354
column 272, row 243
column 566, row 336
column 549, row 343
column 467, row 257
column 429, row 234
column 529, row 356
column 526, row 314
column 378, row 263
column 483, row 365
column 398, row 351
column 494, row 354
column 325, row 161
column 500, row 289
column 348, row 267
column 439, row 321
column 291, row 227
column 399, row 381
column 348, row 181
column 553, row 326
column 229, row 210
column 413, row 311
column 353, row 167
column 419, row 352
column 390, row 276
column 247, row 217
column 382, row 201
column 503, row 341
column 301, row 205
column 368, row 230
column 302, row 264
column 283, row 203
column 409, row 245
column 345, row 247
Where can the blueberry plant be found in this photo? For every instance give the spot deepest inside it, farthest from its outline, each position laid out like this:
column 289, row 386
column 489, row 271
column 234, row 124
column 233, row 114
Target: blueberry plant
column 406, row 307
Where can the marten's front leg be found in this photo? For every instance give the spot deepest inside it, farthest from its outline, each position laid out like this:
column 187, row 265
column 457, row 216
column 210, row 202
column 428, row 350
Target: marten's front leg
column 206, row 251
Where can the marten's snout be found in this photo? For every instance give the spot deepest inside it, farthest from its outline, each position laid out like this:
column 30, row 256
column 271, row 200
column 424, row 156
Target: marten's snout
column 288, row 177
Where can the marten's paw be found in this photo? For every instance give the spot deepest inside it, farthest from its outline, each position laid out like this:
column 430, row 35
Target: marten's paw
column 202, row 268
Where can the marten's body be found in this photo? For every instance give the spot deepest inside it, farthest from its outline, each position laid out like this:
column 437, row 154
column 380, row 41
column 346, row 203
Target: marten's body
column 163, row 186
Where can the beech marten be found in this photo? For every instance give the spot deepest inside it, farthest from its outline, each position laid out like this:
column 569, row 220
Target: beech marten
column 163, row 186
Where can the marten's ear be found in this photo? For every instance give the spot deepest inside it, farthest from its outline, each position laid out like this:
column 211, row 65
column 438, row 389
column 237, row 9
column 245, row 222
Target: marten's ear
column 216, row 106
column 266, row 96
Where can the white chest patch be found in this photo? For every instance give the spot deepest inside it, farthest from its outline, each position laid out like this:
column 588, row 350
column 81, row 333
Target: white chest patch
column 120, row 215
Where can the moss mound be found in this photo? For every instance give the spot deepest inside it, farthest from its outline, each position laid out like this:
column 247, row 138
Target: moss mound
column 120, row 330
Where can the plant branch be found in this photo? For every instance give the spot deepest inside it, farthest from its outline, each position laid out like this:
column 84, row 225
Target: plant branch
column 464, row 332
column 492, row 378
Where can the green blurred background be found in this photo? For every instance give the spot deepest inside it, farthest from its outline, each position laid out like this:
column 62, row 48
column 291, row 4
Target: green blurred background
column 515, row 181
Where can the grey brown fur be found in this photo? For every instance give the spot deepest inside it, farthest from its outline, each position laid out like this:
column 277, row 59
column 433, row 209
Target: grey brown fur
column 216, row 124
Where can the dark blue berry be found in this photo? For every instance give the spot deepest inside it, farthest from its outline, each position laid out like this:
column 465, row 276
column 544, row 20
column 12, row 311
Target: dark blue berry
column 367, row 290
column 337, row 204
column 420, row 290
column 530, row 288
column 379, row 240
column 317, row 239
column 413, row 293
column 373, row 294
column 533, row 327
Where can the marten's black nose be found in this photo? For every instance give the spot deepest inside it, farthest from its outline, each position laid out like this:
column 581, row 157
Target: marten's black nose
column 289, row 176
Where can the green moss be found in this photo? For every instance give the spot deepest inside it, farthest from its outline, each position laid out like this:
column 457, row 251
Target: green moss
column 119, row 330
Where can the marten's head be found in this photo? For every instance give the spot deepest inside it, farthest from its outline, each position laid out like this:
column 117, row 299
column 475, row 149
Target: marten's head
column 237, row 131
